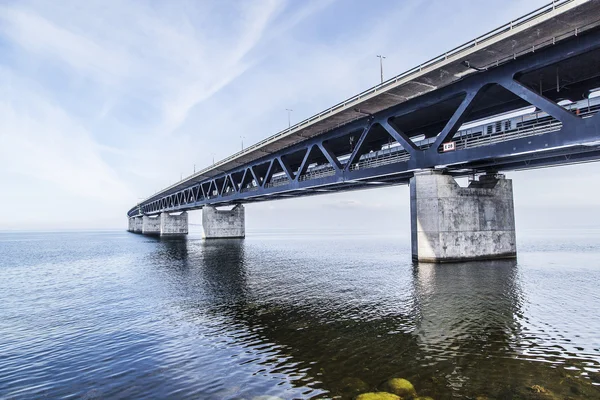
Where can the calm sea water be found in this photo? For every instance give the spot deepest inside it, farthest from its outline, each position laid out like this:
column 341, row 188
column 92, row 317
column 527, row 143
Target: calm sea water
column 294, row 315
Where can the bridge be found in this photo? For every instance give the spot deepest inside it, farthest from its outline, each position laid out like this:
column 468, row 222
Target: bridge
column 525, row 95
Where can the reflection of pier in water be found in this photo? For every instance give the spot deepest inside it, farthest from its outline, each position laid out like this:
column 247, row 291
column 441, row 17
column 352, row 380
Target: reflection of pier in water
column 458, row 333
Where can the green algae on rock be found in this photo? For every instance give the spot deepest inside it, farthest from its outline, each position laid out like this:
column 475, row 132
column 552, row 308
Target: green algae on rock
column 351, row 385
column 401, row 387
column 378, row 396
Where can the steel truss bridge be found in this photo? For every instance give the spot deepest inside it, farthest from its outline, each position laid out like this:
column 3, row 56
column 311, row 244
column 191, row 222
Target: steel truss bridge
column 519, row 97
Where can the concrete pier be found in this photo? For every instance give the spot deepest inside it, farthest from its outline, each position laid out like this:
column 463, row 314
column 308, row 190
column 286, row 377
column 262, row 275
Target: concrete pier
column 173, row 225
column 130, row 224
column 450, row 223
column 137, row 224
column 151, row 225
column 224, row 223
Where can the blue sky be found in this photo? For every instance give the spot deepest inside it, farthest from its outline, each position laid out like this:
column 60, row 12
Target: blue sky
column 105, row 102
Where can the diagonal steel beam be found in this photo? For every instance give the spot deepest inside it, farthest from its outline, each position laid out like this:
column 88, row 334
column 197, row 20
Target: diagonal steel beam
column 359, row 143
column 224, row 185
column 268, row 174
column 400, row 137
column 210, row 189
column 457, row 119
column 538, row 100
column 243, row 179
column 233, row 185
column 286, row 167
column 304, row 165
column 333, row 160
column 254, row 176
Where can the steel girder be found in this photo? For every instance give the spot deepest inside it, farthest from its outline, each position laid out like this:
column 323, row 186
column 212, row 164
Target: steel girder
column 252, row 181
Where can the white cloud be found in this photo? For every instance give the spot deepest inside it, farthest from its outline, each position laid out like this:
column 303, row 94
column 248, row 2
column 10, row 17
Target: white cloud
column 40, row 141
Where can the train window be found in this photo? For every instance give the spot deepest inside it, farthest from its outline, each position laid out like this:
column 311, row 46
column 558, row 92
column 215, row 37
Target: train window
column 507, row 125
column 489, row 129
column 498, row 126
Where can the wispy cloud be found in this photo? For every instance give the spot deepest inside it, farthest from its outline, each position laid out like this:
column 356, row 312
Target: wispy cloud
column 94, row 94
column 40, row 142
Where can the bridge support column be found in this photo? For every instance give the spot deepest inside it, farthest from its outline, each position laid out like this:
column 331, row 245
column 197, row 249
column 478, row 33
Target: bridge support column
column 151, row 225
column 450, row 223
column 137, row 224
column 224, row 223
column 173, row 225
column 130, row 224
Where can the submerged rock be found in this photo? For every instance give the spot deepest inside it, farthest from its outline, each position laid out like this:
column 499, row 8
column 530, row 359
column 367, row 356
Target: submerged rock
column 378, row 396
column 401, row 387
column 423, row 398
column 537, row 392
column 538, row 389
column 351, row 385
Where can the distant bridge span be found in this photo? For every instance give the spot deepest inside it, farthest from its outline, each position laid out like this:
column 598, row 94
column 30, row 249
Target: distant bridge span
column 522, row 96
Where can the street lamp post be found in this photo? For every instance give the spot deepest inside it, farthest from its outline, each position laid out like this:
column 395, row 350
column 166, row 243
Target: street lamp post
column 381, row 66
column 289, row 110
column 242, row 139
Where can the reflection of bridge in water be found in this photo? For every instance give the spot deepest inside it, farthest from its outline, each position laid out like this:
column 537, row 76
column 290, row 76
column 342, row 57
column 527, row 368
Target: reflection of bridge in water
column 519, row 97
column 449, row 329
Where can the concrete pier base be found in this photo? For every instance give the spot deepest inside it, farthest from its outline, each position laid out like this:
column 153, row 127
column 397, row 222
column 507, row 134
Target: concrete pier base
column 151, row 225
column 137, row 224
column 450, row 223
column 130, row 224
column 224, row 223
column 173, row 225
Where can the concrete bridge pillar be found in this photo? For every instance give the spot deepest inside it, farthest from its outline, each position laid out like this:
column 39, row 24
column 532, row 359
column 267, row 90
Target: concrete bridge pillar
column 451, row 223
column 224, row 223
column 173, row 225
column 137, row 224
column 151, row 225
column 130, row 224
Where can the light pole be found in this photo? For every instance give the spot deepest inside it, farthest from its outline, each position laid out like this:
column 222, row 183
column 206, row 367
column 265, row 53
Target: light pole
column 381, row 66
column 289, row 110
column 242, row 139
column 213, row 154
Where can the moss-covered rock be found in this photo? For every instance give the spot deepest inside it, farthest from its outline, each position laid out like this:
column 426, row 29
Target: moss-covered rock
column 378, row 396
column 401, row 387
column 352, row 386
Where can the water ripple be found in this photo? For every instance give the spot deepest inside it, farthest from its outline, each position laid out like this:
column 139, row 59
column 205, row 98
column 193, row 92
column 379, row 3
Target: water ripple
column 103, row 315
